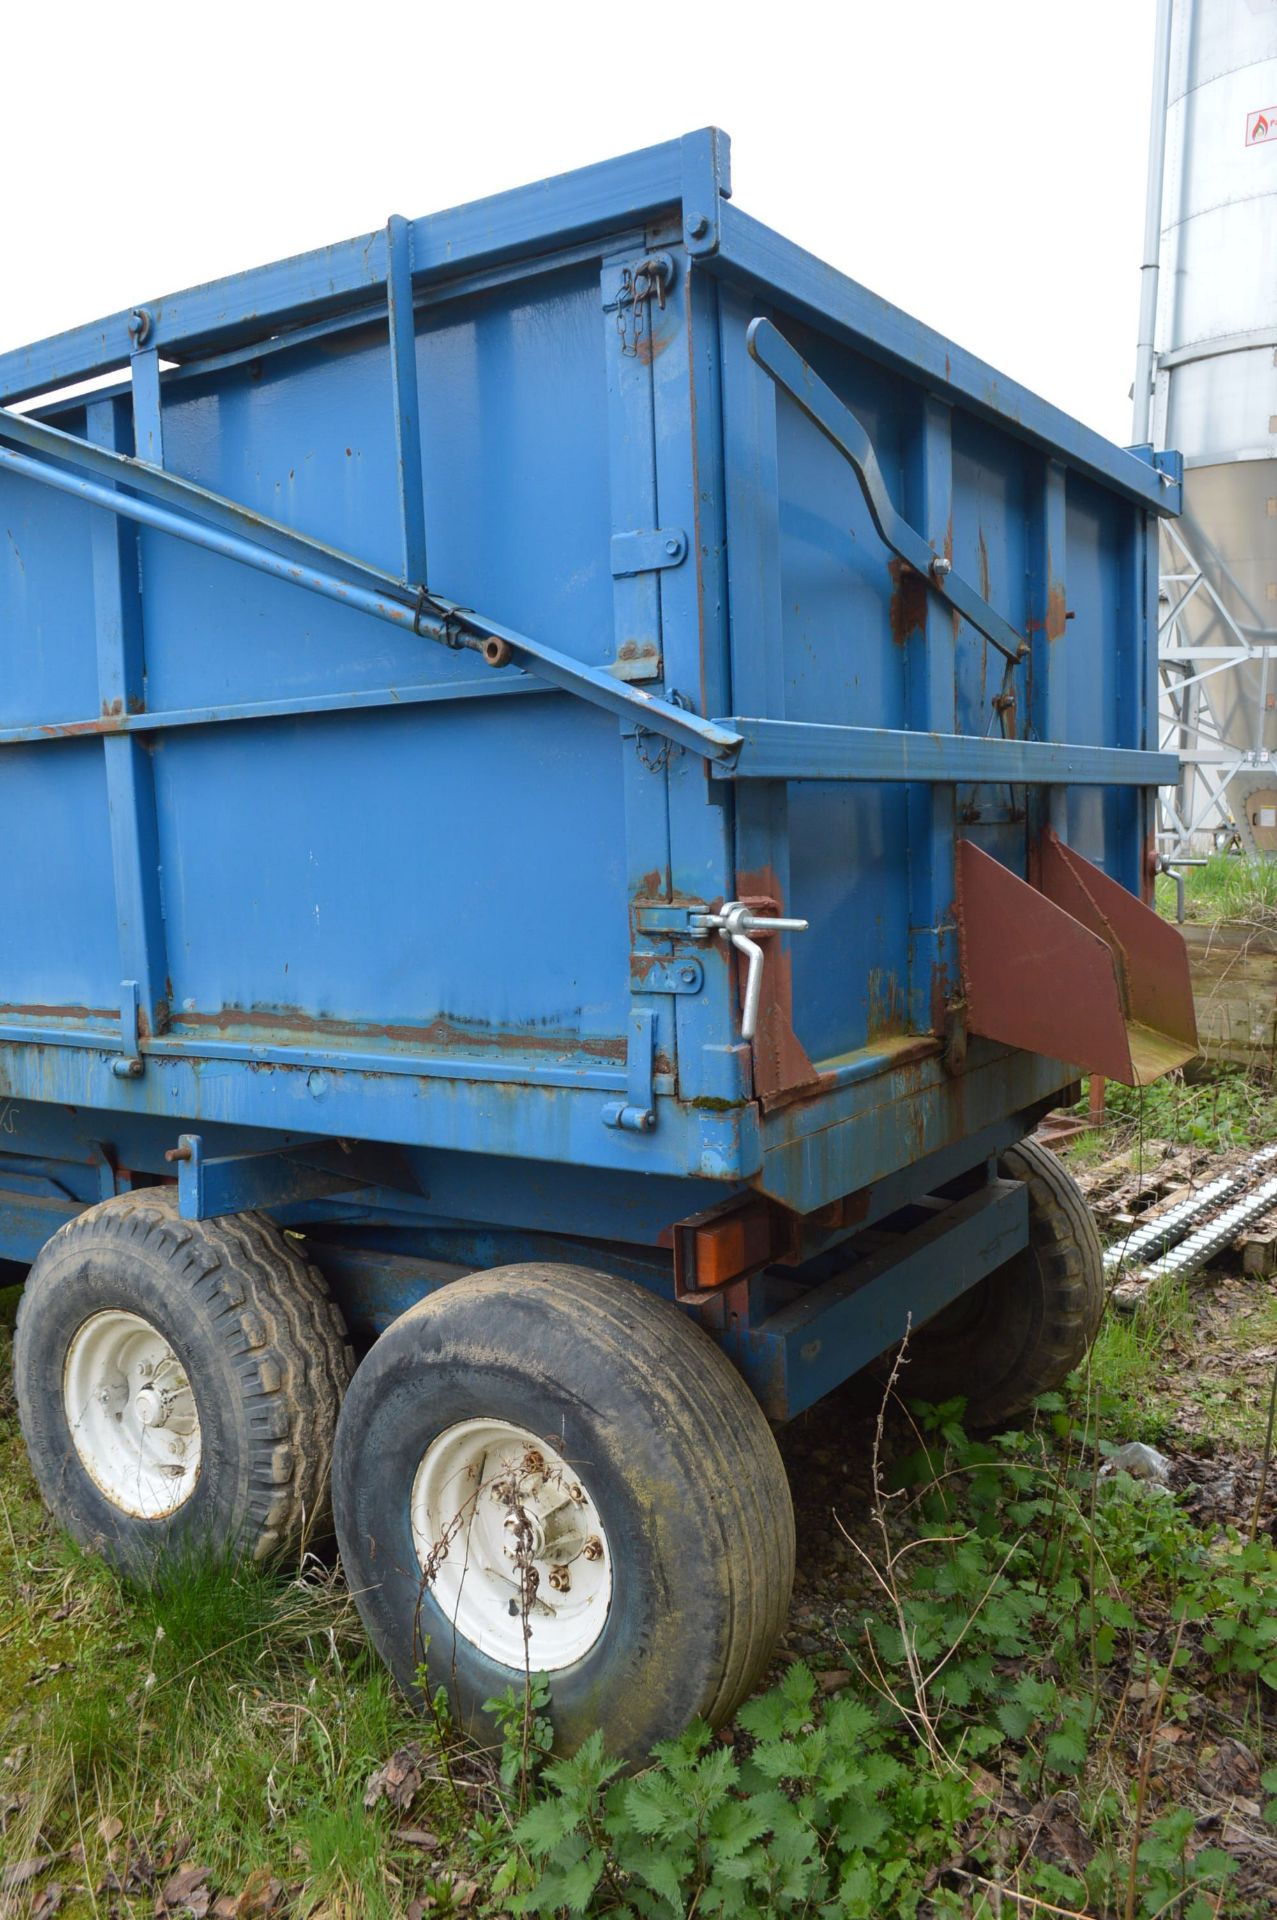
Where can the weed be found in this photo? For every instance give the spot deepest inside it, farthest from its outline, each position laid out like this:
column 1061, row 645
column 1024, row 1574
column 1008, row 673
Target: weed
column 1038, row 1643
column 1229, row 886
column 1029, row 1609
column 1230, row 1109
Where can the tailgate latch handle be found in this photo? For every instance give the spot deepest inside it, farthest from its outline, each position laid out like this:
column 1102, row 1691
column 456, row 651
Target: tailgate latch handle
column 736, row 922
column 786, row 366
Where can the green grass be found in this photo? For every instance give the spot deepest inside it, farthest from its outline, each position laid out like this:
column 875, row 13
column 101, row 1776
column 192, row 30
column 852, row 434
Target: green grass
column 1129, row 1361
column 1230, row 886
column 1231, row 1108
column 232, row 1713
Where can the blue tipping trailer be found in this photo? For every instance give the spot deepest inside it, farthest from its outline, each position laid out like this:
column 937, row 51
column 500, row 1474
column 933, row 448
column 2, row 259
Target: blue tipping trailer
column 575, row 781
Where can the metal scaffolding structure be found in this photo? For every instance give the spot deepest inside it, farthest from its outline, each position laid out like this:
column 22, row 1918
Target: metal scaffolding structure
column 1209, row 388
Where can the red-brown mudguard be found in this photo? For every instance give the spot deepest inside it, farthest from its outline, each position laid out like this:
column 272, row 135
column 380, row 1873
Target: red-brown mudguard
column 1081, row 970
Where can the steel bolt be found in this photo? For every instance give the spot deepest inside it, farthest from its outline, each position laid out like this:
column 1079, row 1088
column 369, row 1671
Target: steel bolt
column 593, row 1548
column 560, row 1579
column 671, row 546
column 941, row 566
column 697, row 225
column 688, row 976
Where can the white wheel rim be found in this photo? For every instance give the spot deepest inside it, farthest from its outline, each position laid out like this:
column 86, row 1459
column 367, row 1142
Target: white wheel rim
column 505, row 1528
column 132, row 1414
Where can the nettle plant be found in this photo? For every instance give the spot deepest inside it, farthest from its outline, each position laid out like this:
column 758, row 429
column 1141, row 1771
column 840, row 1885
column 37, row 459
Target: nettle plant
column 820, row 1816
column 1012, row 1578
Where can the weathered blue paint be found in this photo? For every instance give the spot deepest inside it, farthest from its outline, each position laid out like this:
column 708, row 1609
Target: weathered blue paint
column 413, row 855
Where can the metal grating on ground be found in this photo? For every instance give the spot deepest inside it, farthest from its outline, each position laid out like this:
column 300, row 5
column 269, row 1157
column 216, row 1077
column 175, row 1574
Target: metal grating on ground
column 1186, row 1230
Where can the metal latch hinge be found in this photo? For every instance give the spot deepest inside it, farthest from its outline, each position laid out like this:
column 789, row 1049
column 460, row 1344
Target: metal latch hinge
column 734, row 922
column 648, row 280
column 128, row 1063
column 636, row 1113
column 647, row 552
column 659, row 973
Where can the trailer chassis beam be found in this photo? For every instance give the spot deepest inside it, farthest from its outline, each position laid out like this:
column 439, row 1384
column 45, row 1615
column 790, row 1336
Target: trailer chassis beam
column 795, row 1356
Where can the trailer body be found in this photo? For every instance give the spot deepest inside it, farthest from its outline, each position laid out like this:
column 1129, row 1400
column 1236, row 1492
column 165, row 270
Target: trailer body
column 413, row 658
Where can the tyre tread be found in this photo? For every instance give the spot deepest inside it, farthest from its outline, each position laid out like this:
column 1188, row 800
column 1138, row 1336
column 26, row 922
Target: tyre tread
column 746, row 1494
column 285, row 1335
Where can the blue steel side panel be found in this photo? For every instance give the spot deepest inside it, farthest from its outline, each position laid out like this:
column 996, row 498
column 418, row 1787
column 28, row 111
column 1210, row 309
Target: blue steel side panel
column 409, row 880
column 515, row 454
column 1058, row 559
column 841, row 666
column 991, row 532
column 393, row 880
column 1106, row 598
column 753, row 254
column 58, row 949
column 48, row 668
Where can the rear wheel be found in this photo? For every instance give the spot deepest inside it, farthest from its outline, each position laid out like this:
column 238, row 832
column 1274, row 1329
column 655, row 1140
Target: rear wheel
column 178, row 1383
column 548, row 1470
column 1024, row 1327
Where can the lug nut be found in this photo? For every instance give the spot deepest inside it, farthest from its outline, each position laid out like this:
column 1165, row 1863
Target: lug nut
column 560, row 1579
column 593, row 1548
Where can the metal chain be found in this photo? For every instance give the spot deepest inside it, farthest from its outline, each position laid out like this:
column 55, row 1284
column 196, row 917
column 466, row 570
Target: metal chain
column 660, row 760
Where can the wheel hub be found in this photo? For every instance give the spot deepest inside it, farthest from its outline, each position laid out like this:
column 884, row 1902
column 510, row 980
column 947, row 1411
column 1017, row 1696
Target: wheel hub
column 152, row 1407
column 511, row 1545
column 132, row 1415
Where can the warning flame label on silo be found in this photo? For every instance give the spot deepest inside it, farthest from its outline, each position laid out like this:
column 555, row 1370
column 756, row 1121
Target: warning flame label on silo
column 1261, row 126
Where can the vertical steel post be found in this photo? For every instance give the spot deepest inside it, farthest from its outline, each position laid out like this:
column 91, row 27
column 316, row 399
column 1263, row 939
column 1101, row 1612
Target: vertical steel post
column 636, row 604
column 403, row 380
column 714, row 1062
column 931, row 699
column 757, row 616
column 130, row 782
column 1048, row 645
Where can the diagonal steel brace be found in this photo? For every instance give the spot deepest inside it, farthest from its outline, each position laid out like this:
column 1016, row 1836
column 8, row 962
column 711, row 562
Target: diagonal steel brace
column 159, row 499
column 786, row 366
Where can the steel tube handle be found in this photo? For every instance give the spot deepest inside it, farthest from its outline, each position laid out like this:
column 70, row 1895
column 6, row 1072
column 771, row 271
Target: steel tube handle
column 736, row 922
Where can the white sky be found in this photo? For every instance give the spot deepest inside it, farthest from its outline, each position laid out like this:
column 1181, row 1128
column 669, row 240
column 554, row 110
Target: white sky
column 979, row 162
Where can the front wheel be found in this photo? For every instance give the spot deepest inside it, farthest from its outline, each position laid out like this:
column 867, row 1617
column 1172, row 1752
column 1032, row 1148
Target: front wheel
column 178, row 1383
column 542, row 1469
